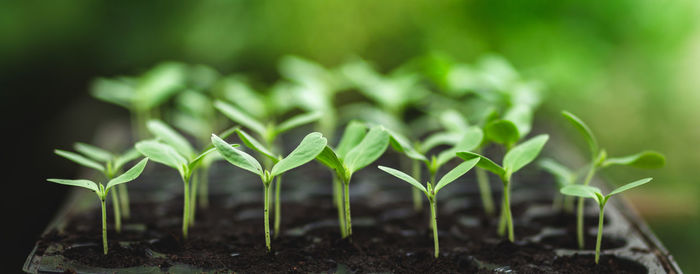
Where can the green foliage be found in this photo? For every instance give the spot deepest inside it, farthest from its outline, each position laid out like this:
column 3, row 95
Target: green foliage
column 644, row 160
column 524, row 153
column 585, row 132
column 368, row 150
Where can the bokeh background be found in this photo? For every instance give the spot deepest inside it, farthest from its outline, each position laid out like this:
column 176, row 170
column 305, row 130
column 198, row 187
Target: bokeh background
column 630, row 68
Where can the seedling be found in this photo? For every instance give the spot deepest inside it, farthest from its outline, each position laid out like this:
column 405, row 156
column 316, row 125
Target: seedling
column 173, row 150
column 307, row 150
column 514, row 160
column 110, row 165
column 269, row 135
column 563, row 177
column 583, row 191
column 431, row 191
column 599, row 159
column 357, row 149
column 102, row 191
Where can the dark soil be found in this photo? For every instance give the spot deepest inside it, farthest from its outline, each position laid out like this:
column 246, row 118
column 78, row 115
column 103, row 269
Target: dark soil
column 387, row 238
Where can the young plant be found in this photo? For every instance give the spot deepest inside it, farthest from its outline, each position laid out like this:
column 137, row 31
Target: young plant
column 599, row 160
column 307, row 150
column 102, row 191
column 563, row 177
column 432, row 190
column 583, row 191
column 110, row 165
column 514, row 160
column 268, row 147
column 357, row 149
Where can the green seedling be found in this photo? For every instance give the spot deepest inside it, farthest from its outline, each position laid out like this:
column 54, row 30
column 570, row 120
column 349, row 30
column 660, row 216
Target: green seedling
column 563, row 177
column 514, row 160
column 110, row 165
column 599, row 160
column 173, row 150
column 357, row 149
column 431, row 191
column 306, row 151
column 583, row 191
column 269, row 135
column 102, row 191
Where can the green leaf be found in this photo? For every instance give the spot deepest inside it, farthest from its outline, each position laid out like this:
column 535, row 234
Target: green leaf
column 253, row 144
column 521, row 116
column 645, row 160
column 405, row 177
column 81, row 183
column 129, row 175
column 159, row 84
column 94, row 152
column 241, row 118
column 470, row 140
column 197, row 160
column 128, row 156
column 312, row 145
column 116, row 92
column 453, row 121
column 581, row 191
column 502, row 132
column 439, row 139
column 79, row 159
column 455, row 173
column 168, row 135
column 236, row 157
column 524, row 153
column 353, row 134
column 484, row 163
column 297, row 121
column 162, row 153
column 330, row 159
column 368, row 150
column 584, row 130
column 401, row 144
column 630, row 186
column 563, row 176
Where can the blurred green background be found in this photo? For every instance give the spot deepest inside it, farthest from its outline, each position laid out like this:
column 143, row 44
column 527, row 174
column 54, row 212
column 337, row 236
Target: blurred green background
column 630, row 68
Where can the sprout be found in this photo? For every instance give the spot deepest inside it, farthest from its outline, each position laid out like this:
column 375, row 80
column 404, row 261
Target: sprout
column 431, row 191
column 599, row 159
column 102, row 191
column 514, row 160
column 269, row 134
column 110, row 165
column 307, row 150
column 583, row 191
column 356, row 150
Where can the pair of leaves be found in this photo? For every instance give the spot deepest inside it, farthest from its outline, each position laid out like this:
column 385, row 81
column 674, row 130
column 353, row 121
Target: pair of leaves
column 450, row 177
column 357, row 149
column 563, row 176
column 97, row 158
column 307, row 150
column 168, row 135
column 514, row 160
column 126, row 177
column 596, row 194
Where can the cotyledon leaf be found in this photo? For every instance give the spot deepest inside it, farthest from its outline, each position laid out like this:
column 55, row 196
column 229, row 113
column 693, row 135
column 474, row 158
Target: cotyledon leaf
column 308, row 149
column 236, row 157
column 403, row 176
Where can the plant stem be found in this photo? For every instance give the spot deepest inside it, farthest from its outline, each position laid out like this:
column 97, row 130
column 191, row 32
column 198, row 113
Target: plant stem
column 204, row 187
column 193, row 199
column 124, row 200
column 266, row 199
column 502, row 219
column 338, row 195
column 186, row 208
column 599, row 237
column 278, row 207
column 417, row 196
column 509, row 217
column 104, row 226
column 117, row 215
column 348, row 220
column 581, row 204
column 485, row 190
column 433, row 213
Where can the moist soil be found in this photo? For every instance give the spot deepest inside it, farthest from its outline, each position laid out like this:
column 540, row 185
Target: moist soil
column 388, row 238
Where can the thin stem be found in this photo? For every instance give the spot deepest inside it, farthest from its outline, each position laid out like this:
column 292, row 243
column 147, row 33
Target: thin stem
column 508, row 214
column 502, row 219
column 417, row 196
column 124, row 200
column 278, row 207
column 599, row 237
column 433, row 213
column 186, row 208
column 485, row 190
column 267, row 215
column 579, row 211
column 104, row 226
column 338, row 194
column 204, row 187
column 117, row 215
column 193, row 198
column 348, row 220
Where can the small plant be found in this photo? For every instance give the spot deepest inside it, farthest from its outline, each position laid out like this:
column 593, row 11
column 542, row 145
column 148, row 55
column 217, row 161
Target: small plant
column 563, row 177
column 356, row 150
column 102, row 191
column 307, row 150
column 599, row 159
column 110, row 165
column 515, row 159
column 431, row 191
column 583, row 191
